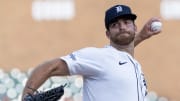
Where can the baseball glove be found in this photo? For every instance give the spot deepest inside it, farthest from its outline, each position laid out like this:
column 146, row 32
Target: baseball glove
column 49, row 95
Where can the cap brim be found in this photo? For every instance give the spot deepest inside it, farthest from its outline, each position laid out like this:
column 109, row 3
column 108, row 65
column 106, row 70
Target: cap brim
column 125, row 16
column 129, row 16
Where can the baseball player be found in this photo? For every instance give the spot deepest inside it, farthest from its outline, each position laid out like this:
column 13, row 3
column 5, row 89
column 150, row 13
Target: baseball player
column 110, row 73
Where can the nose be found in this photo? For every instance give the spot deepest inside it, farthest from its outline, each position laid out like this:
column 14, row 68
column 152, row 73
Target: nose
column 122, row 25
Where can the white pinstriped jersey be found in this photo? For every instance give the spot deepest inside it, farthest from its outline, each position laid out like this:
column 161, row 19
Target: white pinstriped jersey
column 108, row 74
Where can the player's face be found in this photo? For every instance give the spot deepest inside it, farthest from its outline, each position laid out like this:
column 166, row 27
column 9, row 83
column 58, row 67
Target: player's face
column 122, row 31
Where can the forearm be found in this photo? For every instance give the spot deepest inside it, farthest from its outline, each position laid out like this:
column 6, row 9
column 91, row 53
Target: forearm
column 139, row 38
column 37, row 78
column 42, row 72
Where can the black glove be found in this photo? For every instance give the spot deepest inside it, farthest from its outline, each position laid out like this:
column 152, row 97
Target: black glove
column 49, row 95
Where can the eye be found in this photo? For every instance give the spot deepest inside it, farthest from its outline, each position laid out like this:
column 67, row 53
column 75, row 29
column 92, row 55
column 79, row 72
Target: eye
column 115, row 24
column 127, row 21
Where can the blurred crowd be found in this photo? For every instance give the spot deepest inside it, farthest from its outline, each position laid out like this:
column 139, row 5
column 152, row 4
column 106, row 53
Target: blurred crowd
column 13, row 82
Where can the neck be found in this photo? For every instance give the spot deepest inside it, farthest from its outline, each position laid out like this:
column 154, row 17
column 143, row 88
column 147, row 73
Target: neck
column 126, row 48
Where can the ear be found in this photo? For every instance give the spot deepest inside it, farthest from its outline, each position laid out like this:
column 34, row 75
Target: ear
column 135, row 28
column 107, row 34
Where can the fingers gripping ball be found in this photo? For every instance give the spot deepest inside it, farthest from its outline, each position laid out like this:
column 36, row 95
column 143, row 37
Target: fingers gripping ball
column 156, row 26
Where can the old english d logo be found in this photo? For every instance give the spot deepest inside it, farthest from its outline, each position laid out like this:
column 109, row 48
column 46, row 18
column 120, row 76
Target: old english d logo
column 119, row 9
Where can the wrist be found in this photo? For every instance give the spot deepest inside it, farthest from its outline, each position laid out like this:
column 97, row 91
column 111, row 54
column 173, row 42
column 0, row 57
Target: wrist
column 143, row 36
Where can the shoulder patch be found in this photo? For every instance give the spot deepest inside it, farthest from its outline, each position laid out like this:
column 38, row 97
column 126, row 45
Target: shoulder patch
column 72, row 56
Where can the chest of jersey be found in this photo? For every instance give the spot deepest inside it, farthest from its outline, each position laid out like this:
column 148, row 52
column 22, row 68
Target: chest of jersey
column 120, row 69
column 118, row 74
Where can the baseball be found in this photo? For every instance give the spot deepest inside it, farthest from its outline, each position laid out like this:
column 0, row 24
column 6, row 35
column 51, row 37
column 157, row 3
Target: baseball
column 156, row 26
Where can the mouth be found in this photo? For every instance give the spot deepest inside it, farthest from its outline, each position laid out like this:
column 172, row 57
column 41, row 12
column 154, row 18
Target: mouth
column 123, row 33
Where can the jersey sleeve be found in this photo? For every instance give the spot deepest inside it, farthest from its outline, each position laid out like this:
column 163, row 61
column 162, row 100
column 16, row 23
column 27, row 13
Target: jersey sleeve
column 82, row 62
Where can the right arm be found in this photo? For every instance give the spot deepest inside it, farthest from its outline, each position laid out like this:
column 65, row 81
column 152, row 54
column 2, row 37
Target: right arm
column 55, row 67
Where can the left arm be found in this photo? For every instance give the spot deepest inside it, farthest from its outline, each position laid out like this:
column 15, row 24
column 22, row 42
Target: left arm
column 146, row 32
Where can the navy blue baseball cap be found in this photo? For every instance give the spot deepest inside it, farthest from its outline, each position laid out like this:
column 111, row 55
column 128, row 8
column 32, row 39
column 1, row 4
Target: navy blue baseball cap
column 118, row 11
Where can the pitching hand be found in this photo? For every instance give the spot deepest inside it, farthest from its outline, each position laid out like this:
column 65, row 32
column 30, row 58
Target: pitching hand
column 146, row 31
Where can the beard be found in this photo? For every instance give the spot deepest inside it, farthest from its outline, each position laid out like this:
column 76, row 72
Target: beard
column 123, row 39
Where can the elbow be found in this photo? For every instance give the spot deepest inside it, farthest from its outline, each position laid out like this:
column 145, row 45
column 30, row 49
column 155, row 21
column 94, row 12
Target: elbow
column 58, row 67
